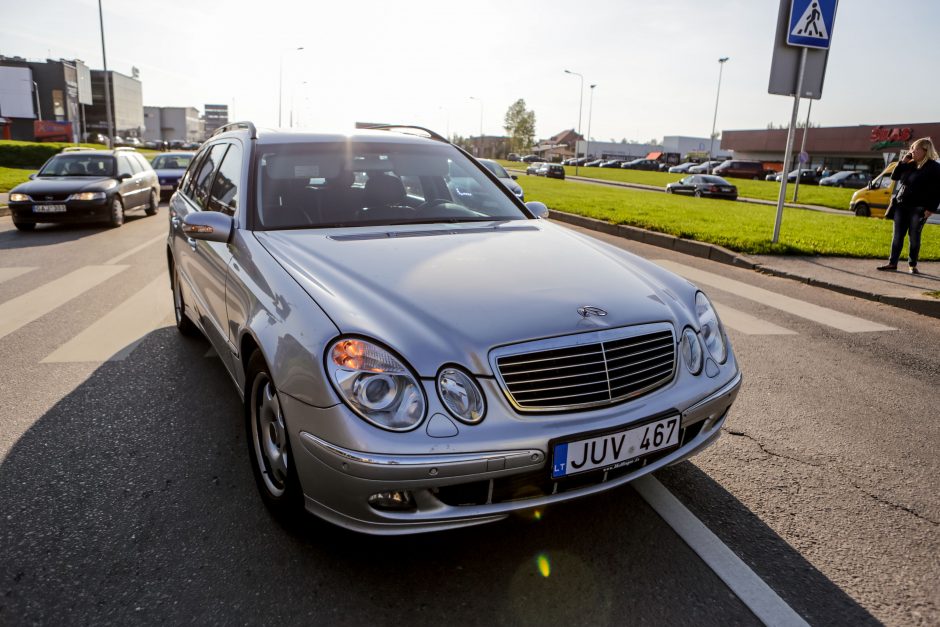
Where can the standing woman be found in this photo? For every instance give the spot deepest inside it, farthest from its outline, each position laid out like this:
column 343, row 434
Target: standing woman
column 917, row 197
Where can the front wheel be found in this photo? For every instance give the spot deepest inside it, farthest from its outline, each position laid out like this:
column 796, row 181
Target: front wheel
column 698, row 193
column 862, row 210
column 268, row 443
column 117, row 213
column 151, row 209
column 183, row 324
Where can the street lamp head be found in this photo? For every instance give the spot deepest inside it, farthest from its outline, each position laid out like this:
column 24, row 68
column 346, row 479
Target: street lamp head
column 594, row 85
column 723, row 59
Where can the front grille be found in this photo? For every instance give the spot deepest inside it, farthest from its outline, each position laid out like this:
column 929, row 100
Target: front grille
column 41, row 198
column 616, row 367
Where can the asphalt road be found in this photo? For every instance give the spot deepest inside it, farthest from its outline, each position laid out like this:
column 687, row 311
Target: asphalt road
column 126, row 494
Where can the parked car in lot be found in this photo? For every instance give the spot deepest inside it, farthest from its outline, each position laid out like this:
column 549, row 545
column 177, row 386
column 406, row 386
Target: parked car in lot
column 532, row 159
column 807, row 177
column 170, row 167
column 704, row 186
column 611, row 163
column 641, row 164
column 551, row 170
column 594, row 163
column 86, row 186
column 342, row 285
column 705, row 167
column 682, row 167
column 513, row 157
column 533, row 168
column 507, row 179
column 739, row 168
column 846, row 178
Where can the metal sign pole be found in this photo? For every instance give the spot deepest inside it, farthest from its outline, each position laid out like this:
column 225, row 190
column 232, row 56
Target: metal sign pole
column 796, row 186
column 786, row 157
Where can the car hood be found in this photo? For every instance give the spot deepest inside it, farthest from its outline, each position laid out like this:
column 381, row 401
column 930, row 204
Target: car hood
column 64, row 184
column 443, row 294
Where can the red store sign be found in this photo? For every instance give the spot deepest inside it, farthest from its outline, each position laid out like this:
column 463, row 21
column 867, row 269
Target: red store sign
column 882, row 134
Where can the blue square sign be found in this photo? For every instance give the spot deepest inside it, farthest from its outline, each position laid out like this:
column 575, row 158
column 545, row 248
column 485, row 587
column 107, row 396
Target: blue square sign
column 811, row 23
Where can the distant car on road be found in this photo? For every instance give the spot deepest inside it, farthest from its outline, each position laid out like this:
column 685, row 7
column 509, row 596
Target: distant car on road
column 846, row 178
column 641, row 164
column 704, row 186
column 705, row 167
column 533, row 168
column 507, row 179
column 170, row 167
column 532, row 159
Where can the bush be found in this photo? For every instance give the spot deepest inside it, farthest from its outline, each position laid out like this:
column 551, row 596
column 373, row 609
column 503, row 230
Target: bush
column 16, row 154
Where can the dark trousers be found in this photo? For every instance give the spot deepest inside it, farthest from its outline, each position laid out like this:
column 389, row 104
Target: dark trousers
column 907, row 221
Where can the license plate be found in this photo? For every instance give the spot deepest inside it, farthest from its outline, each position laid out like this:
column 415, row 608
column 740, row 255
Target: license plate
column 48, row 208
column 726, row 189
column 614, row 449
column 166, row 187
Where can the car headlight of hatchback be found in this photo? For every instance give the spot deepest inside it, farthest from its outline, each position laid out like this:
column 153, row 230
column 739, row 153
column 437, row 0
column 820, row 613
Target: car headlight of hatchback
column 691, row 350
column 712, row 334
column 376, row 384
column 461, row 395
column 88, row 196
column 17, row 197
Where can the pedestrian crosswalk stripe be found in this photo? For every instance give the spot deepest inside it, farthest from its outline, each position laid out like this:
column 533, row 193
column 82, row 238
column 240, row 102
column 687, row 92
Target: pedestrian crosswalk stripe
column 803, row 309
column 32, row 305
column 11, row 273
column 748, row 324
column 134, row 250
column 114, row 336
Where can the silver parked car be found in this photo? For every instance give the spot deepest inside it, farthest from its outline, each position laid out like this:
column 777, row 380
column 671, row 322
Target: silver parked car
column 415, row 348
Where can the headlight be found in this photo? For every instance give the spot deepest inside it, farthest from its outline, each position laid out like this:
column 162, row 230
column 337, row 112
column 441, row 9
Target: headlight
column 712, row 333
column 691, row 350
column 375, row 384
column 18, row 197
column 461, row 395
column 88, row 196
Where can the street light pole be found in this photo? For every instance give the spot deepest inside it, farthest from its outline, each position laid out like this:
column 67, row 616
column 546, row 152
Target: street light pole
column 711, row 147
column 580, row 106
column 280, row 84
column 107, row 81
column 480, row 149
column 587, row 140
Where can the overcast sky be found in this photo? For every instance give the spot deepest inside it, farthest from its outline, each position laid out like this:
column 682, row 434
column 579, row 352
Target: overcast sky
column 654, row 62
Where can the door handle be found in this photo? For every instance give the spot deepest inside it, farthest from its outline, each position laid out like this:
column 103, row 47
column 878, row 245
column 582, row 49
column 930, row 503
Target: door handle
column 191, row 242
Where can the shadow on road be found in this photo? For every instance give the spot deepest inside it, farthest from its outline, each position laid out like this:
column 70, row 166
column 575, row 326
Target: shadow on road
column 132, row 501
column 51, row 234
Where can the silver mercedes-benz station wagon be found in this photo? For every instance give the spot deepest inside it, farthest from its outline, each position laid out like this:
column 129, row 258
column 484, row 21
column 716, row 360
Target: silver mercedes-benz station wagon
column 416, row 348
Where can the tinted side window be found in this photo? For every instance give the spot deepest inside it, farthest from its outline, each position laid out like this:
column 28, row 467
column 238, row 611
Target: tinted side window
column 143, row 163
column 186, row 185
column 203, row 181
column 124, row 166
column 224, row 195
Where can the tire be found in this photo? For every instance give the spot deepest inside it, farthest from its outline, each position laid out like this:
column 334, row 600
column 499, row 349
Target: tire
column 862, row 210
column 698, row 193
column 117, row 212
column 24, row 226
column 151, row 209
column 269, row 444
column 668, row 190
column 183, row 324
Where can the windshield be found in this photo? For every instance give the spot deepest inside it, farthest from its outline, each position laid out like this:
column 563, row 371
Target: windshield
column 78, row 164
column 496, row 169
column 171, row 162
column 319, row 185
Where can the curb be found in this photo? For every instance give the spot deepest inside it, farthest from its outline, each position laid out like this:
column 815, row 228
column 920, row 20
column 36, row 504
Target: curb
column 4, row 211
column 723, row 255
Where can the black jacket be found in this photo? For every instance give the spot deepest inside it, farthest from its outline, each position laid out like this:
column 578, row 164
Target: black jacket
column 918, row 187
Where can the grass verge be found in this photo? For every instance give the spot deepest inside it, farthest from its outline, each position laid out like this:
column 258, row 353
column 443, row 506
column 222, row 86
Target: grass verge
column 742, row 227
column 11, row 177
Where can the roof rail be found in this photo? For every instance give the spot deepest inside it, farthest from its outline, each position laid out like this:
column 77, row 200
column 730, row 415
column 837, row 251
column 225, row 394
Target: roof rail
column 77, row 148
column 404, row 128
column 231, row 126
column 125, row 148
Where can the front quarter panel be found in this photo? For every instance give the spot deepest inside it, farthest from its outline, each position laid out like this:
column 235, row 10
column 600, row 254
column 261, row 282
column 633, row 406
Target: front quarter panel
column 267, row 305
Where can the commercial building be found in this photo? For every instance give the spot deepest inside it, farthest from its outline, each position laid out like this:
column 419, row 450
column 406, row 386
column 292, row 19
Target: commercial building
column 43, row 99
column 864, row 147
column 685, row 147
column 216, row 115
column 127, row 107
column 173, row 123
column 559, row 146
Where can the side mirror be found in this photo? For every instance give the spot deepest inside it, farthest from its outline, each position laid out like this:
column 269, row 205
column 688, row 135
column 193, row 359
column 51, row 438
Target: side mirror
column 538, row 209
column 123, row 176
column 513, row 177
column 32, row 176
column 210, row 226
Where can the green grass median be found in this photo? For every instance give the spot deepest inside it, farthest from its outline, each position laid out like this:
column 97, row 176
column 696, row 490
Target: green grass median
column 11, row 177
column 742, row 227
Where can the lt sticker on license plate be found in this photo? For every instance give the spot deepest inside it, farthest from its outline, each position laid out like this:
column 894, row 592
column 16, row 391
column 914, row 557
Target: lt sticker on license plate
column 614, row 449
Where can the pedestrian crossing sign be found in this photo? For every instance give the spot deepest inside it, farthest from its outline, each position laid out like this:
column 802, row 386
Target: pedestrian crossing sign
column 811, row 23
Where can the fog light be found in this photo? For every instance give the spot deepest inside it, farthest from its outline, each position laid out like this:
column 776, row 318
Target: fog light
column 393, row 500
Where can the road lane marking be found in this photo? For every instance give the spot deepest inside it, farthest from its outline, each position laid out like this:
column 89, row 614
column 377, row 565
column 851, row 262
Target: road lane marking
column 743, row 582
column 115, row 335
column 32, row 305
column 748, row 324
column 136, row 249
column 803, row 309
column 11, row 273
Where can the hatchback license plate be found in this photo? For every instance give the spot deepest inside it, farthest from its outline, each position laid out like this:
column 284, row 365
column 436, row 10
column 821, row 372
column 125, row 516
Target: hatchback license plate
column 614, row 449
column 48, row 208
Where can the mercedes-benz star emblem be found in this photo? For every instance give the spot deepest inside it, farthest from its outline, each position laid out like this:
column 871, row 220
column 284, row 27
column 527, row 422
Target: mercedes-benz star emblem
column 587, row 311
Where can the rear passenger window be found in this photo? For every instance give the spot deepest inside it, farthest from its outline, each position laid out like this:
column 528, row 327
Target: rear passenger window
column 224, row 195
column 124, row 166
column 143, row 163
column 203, row 181
column 186, row 185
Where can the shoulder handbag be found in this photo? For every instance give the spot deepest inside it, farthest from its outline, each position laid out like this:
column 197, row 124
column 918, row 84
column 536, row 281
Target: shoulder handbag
column 892, row 207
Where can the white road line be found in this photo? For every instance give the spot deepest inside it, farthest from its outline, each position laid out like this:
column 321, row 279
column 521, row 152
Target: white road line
column 803, row 309
column 24, row 309
column 748, row 324
column 136, row 249
column 746, row 585
column 11, row 273
column 114, row 336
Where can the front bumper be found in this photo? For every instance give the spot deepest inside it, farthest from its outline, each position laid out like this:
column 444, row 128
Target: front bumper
column 451, row 489
column 76, row 212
